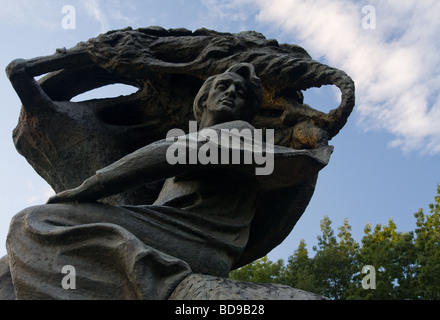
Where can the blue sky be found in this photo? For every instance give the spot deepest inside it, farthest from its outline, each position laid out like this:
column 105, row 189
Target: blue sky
column 386, row 160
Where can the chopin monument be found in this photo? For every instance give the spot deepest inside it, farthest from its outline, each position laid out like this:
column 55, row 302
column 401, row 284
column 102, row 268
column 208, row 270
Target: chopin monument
column 161, row 193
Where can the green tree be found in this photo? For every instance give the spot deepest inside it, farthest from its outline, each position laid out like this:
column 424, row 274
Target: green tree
column 333, row 264
column 298, row 272
column 261, row 270
column 407, row 264
column 392, row 254
column 428, row 250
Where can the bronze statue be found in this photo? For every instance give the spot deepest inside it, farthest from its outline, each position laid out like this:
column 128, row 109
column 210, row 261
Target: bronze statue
column 197, row 218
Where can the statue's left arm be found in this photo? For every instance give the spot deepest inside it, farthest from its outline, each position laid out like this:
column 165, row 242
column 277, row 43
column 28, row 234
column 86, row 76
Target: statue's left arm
column 21, row 74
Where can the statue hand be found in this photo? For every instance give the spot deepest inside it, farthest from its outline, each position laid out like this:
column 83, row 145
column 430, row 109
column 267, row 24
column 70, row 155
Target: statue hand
column 90, row 190
column 17, row 66
column 64, row 196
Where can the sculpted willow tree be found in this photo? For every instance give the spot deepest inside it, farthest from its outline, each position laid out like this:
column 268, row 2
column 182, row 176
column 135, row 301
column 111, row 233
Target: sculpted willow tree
column 132, row 224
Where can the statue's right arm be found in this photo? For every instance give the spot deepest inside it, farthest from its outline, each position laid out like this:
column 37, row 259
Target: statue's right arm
column 145, row 165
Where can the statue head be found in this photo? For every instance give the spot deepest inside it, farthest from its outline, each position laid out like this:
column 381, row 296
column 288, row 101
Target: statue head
column 236, row 94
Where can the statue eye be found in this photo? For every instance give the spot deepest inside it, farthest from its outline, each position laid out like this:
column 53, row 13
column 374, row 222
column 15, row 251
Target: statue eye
column 240, row 93
column 221, row 87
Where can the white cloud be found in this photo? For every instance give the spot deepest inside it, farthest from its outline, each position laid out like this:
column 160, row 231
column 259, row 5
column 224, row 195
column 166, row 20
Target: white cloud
column 112, row 14
column 396, row 66
column 94, row 9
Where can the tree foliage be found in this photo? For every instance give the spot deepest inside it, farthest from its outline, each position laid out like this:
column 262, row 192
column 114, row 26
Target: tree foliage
column 406, row 264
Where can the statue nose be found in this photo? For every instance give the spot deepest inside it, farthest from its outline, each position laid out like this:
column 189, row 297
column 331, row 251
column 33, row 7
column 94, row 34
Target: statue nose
column 230, row 92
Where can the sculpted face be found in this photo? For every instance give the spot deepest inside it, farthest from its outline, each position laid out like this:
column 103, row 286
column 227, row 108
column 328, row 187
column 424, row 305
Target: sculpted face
column 227, row 97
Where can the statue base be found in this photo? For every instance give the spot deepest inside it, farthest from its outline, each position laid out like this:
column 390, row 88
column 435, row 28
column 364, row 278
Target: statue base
column 199, row 287
column 205, row 287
